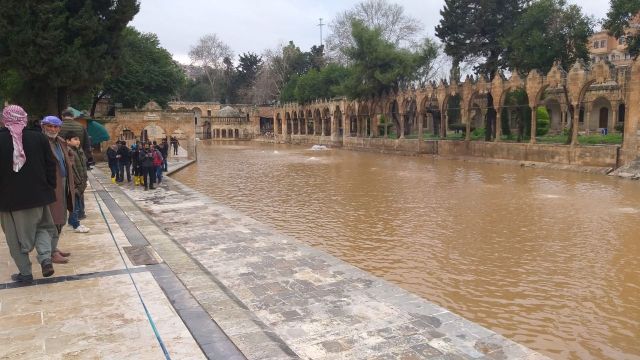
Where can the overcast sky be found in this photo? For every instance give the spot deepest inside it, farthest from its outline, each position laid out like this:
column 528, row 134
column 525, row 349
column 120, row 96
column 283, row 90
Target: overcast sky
column 252, row 25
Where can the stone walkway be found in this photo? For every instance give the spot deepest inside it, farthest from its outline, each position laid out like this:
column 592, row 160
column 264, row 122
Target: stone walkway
column 277, row 298
column 90, row 308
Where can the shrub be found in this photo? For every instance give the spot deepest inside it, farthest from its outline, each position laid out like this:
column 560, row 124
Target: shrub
column 619, row 127
column 542, row 121
column 479, row 132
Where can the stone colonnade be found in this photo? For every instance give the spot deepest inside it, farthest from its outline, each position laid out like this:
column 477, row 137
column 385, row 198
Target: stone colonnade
column 587, row 90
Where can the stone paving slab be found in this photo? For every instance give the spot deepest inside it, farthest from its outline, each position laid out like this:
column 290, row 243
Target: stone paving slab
column 89, row 309
column 278, row 298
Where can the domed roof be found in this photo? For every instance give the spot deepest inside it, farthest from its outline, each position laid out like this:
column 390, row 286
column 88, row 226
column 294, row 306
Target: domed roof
column 228, row 111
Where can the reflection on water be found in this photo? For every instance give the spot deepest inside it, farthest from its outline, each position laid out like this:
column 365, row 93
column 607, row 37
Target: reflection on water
column 549, row 259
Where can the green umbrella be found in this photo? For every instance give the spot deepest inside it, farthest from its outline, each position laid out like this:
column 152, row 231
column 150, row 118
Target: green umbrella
column 97, row 132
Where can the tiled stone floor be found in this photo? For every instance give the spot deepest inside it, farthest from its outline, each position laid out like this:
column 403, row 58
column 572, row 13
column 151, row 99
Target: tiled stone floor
column 96, row 316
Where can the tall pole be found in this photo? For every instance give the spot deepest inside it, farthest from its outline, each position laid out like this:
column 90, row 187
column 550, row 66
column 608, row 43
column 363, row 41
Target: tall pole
column 320, row 25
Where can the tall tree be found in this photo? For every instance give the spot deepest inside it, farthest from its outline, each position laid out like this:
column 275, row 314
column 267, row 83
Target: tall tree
column 209, row 53
column 146, row 72
column 378, row 66
column 548, row 31
column 249, row 65
column 59, row 48
column 394, row 25
column 618, row 22
column 472, row 30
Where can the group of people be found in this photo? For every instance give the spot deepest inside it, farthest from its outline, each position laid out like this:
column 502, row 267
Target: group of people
column 43, row 176
column 147, row 161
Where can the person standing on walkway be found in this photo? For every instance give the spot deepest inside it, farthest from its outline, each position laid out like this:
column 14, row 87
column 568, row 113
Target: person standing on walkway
column 71, row 125
column 164, row 150
column 175, row 144
column 79, row 178
column 124, row 162
column 158, row 160
column 65, row 187
column 135, row 153
column 146, row 163
column 27, row 187
column 112, row 158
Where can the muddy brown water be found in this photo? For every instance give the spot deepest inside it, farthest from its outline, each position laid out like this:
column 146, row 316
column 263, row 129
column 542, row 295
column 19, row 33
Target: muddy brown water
column 548, row 258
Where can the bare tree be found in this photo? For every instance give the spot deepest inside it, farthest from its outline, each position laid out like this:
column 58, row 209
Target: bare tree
column 390, row 19
column 268, row 83
column 210, row 53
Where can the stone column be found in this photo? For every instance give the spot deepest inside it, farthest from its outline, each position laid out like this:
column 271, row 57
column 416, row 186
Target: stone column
column 611, row 124
column 498, row 124
column 576, row 124
column 285, row 128
column 422, row 116
column 322, row 127
column 444, row 120
column 334, row 128
column 534, row 124
column 466, row 117
column 587, row 120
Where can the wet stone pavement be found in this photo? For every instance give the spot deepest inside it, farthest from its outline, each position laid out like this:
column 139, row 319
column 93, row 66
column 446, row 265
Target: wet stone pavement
column 277, row 298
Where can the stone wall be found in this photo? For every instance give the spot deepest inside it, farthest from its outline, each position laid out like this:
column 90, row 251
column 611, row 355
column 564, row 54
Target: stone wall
column 158, row 123
column 597, row 156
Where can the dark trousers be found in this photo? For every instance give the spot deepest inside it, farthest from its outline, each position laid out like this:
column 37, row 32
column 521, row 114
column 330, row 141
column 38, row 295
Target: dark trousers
column 149, row 175
column 122, row 166
column 113, row 166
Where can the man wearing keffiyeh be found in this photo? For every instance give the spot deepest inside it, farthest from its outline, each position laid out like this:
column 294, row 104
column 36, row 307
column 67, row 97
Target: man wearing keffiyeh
column 27, row 187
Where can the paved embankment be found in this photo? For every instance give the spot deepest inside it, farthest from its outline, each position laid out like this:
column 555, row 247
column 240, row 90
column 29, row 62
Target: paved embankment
column 91, row 309
column 277, row 298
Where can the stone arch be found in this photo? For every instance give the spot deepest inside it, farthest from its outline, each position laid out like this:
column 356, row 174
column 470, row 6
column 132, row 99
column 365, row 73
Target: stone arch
column 206, row 130
column 310, row 123
column 294, row 123
column 554, row 109
column 317, row 122
column 600, row 113
column 394, row 118
column 476, row 116
column 363, row 115
column 287, row 117
column 622, row 110
column 337, row 122
column 326, row 122
column 430, row 113
column 409, row 116
column 453, row 105
column 153, row 132
column 197, row 114
column 278, row 124
column 351, row 121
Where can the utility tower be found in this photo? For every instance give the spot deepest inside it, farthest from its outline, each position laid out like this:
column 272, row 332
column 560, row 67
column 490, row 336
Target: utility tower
column 320, row 25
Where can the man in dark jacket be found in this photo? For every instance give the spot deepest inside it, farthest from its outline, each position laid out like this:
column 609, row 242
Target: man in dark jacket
column 27, row 187
column 124, row 162
column 145, row 158
column 112, row 158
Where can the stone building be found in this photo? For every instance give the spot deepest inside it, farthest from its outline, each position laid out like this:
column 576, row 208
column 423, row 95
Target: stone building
column 151, row 123
column 603, row 46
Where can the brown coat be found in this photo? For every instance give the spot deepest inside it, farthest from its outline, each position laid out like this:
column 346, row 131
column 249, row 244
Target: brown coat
column 64, row 201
